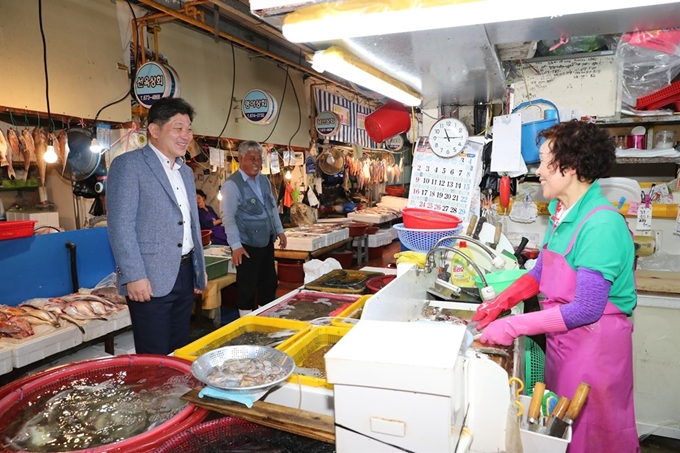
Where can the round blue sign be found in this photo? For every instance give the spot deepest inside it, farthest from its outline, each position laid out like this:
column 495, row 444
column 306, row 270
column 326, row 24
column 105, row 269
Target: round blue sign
column 327, row 124
column 258, row 106
column 152, row 82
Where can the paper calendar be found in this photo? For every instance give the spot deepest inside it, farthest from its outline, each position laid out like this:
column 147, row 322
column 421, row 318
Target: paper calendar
column 447, row 185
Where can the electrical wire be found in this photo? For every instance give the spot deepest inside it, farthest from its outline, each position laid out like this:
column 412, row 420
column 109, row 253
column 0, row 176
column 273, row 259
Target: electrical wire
column 47, row 78
column 299, row 110
column 132, row 79
column 283, row 96
column 233, row 85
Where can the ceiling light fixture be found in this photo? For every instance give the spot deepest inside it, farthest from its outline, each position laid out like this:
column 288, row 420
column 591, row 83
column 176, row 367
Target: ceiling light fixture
column 355, row 18
column 348, row 66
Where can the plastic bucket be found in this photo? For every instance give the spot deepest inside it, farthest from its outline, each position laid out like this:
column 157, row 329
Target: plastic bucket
column 386, row 122
column 531, row 129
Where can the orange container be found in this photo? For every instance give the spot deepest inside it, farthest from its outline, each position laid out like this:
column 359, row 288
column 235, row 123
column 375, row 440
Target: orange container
column 429, row 220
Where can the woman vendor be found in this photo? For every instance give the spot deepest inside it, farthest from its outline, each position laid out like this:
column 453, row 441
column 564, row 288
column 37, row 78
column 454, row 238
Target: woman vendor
column 210, row 220
column 585, row 270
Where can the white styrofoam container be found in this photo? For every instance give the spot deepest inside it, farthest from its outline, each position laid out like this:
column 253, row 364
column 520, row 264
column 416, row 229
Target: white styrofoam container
column 47, row 340
column 375, row 240
column 387, row 355
column 5, row 360
column 43, row 218
column 98, row 327
column 540, row 443
column 78, row 356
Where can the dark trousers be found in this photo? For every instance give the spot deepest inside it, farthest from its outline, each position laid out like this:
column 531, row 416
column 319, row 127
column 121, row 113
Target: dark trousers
column 256, row 276
column 162, row 325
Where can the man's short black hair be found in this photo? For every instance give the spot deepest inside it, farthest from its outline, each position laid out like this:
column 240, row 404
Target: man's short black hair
column 163, row 109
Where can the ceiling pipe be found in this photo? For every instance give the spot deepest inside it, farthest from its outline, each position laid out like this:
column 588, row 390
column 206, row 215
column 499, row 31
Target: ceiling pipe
column 198, row 24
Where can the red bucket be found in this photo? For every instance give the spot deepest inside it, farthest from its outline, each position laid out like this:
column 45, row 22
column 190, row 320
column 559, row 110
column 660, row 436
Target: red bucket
column 386, row 122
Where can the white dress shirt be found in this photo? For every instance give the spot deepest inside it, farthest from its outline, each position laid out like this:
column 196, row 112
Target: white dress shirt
column 177, row 183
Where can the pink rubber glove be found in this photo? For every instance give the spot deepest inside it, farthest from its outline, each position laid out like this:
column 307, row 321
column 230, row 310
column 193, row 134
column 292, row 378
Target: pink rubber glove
column 523, row 288
column 505, row 330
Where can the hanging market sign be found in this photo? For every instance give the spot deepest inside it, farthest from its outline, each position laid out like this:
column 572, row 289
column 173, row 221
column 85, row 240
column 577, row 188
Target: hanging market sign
column 259, row 107
column 327, row 124
column 395, row 143
column 154, row 81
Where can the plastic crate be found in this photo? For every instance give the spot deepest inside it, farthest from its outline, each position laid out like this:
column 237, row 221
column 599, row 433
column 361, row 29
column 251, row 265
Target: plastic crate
column 535, row 365
column 419, row 240
column 658, row 99
column 353, row 312
column 16, row 229
column 216, row 266
column 305, row 346
column 219, row 337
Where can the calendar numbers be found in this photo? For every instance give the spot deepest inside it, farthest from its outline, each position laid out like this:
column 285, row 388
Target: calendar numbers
column 443, row 184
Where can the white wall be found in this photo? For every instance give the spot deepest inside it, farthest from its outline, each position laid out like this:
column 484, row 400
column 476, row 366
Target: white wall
column 83, row 52
column 205, row 70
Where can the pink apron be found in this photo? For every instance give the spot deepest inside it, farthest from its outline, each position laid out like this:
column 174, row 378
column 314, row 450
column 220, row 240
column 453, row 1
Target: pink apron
column 599, row 354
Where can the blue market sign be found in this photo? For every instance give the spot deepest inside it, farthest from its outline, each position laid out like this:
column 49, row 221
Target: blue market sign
column 258, row 107
column 327, row 123
column 152, row 83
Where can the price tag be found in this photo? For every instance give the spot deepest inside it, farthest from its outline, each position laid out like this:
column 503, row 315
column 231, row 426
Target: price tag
column 644, row 218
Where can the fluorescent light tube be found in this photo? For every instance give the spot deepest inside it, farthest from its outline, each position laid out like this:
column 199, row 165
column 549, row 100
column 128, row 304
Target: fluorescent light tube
column 356, row 18
column 346, row 65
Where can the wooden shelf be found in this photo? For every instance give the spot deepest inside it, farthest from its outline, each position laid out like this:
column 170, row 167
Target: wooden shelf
column 16, row 189
column 659, row 211
column 628, row 120
column 648, row 160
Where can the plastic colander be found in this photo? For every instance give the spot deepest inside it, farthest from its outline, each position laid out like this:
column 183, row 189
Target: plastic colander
column 421, row 240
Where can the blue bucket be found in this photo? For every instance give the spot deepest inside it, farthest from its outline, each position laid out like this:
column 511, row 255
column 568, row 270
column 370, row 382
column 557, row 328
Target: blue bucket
column 530, row 131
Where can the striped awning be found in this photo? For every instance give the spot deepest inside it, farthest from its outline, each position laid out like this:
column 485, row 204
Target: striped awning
column 352, row 115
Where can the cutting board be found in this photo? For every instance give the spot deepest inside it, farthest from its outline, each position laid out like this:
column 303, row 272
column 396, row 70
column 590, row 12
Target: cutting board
column 658, row 281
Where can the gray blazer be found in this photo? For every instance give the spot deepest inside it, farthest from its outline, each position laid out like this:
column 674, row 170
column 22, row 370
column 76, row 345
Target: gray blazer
column 145, row 222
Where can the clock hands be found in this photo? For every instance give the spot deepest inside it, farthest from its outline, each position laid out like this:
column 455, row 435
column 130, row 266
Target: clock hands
column 447, row 135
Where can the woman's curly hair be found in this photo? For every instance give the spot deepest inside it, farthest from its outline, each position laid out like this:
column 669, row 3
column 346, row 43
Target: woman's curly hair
column 584, row 147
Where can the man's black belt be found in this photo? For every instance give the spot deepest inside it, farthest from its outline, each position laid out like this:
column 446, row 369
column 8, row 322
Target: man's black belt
column 185, row 259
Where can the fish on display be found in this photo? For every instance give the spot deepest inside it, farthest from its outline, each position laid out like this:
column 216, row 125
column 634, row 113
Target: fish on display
column 28, row 149
column 14, row 152
column 4, row 148
column 13, row 326
column 98, row 414
column 63, row 148
column 40, row 147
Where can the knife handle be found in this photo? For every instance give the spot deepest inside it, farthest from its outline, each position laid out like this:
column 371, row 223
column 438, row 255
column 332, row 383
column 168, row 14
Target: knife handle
column 578, row 401
column 560, row 410
column 478, row 228
column 471, row 225
column 497, row 233
column 535, row 405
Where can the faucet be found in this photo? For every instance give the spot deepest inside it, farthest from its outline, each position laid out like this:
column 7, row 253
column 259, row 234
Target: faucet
column 496, row 260
column 487, row 292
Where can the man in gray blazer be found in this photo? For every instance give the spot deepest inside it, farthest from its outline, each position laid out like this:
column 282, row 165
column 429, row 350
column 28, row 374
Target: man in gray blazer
column 154, row 230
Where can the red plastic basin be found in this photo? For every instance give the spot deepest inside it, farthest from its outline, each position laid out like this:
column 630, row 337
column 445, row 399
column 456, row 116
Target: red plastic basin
column 426, row 219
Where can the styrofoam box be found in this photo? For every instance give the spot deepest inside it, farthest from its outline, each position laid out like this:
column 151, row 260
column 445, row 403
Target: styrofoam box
column 375, row 240
column 540, row 443
column 43, row 218
column 99, row 327
column 84, row 354
column 47, row 340
column 5, row 360
column 371, row 218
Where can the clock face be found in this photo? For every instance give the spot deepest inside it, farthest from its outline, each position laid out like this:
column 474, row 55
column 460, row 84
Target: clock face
column 448, row 137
